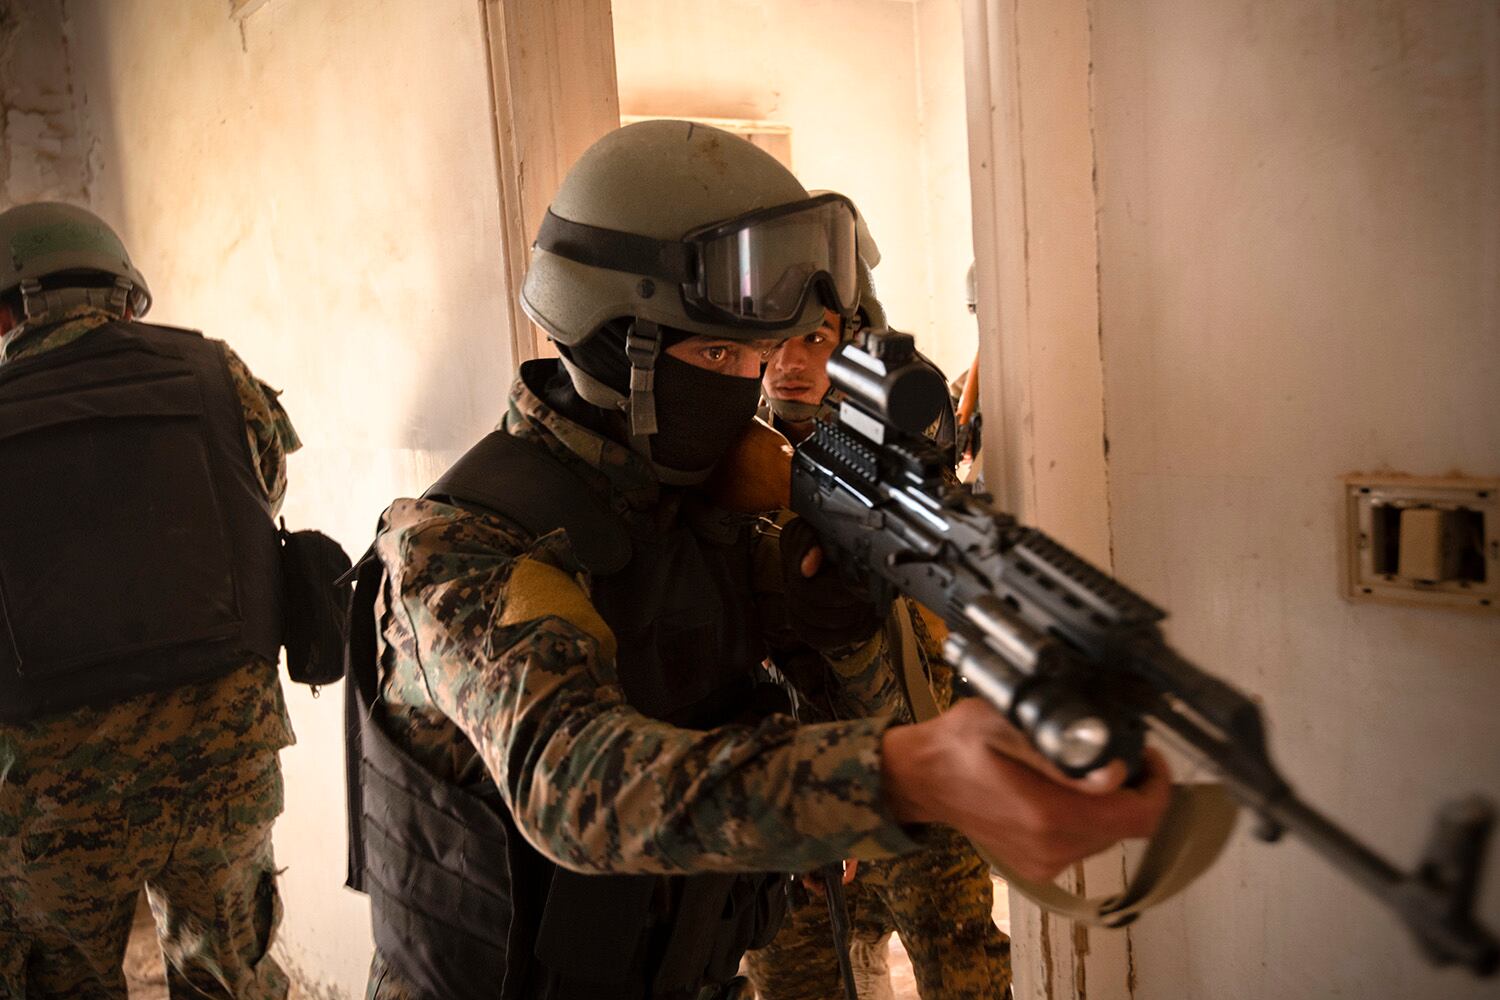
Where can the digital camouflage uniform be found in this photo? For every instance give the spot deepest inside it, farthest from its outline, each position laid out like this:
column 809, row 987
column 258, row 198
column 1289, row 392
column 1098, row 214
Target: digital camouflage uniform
column 939, row 899
column 176, row 790
column 495, row 664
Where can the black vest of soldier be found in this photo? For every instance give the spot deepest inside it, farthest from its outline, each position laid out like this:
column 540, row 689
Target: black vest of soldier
column 137, row 549
column 461, row 903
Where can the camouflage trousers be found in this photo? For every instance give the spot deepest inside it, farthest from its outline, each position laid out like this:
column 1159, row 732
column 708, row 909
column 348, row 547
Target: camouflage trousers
column 386, row 983
column 70, row 877
column 939, row 900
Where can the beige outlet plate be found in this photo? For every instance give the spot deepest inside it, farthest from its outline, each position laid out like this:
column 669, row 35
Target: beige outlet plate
column 1373, row 553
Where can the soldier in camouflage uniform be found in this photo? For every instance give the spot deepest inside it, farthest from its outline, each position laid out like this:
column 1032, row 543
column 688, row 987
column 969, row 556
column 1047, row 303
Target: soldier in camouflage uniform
column 939, row 898
column 172, row 789
column 559, row 739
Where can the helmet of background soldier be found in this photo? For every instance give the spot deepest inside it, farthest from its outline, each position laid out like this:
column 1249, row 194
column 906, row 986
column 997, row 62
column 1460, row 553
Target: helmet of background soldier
column 57, row 256
column 871, row 314
column 626, row 215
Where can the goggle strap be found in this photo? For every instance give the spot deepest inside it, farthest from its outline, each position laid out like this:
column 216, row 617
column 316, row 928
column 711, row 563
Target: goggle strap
column 642, row 346
column 613, row 250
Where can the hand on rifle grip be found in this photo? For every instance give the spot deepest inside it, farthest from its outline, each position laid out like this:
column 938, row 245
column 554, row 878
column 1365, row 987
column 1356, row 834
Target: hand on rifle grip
column 822, row 609
column 971, row 769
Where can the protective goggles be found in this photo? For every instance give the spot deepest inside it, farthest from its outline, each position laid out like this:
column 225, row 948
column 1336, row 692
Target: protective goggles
column 754, row 271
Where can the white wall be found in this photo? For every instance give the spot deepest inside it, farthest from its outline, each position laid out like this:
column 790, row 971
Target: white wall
column 849, row 77
column 44, row 152
column 1299, row 243
column 318, row 188
column 945, row 181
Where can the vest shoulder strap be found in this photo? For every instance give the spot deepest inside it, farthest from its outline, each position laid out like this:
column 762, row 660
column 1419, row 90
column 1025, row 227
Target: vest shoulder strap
column 518, row 480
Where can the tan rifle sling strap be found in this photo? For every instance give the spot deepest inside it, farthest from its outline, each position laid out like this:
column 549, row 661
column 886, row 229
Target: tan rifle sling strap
column 1191, row 836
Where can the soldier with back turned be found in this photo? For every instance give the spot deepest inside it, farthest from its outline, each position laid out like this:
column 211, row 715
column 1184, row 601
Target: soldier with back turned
column 140, row 619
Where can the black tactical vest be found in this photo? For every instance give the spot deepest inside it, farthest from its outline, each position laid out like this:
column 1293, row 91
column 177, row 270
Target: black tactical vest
column 461, row 903
column 137, row 549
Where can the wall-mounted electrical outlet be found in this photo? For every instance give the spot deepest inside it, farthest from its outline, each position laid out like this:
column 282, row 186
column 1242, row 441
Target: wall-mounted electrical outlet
column 1413, row 540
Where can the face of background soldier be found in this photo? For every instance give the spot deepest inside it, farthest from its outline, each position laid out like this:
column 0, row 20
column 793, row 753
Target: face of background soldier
column 798, row 370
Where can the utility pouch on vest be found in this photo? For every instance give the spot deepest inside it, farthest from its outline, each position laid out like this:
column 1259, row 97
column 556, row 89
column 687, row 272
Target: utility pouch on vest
column 313, row 571
column 599, row 916
column 136, row 548
column 745, row 911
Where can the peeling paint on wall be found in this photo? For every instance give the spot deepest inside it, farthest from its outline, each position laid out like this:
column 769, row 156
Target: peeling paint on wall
column 45, row 152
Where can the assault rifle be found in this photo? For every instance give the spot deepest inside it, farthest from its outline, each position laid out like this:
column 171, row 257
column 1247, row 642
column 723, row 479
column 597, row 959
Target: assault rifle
column 1069, row 655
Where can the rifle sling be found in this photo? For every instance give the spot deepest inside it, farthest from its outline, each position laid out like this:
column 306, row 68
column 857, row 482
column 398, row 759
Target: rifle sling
column 1191, row 836
column 913, row 677
column 1193, row 832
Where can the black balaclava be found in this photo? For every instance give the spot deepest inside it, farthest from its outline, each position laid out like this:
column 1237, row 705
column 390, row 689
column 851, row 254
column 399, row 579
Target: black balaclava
column 699, row 413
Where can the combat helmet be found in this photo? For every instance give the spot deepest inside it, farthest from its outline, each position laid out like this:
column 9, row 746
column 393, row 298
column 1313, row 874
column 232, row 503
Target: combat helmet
column 55, row 256
column 869, row 314
column 677, row 225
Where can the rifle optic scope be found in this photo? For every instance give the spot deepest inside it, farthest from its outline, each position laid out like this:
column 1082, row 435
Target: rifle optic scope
column 882, row 374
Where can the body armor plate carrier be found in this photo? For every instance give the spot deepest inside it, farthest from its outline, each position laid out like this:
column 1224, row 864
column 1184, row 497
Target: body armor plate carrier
column 461, row 902
column 137, row 550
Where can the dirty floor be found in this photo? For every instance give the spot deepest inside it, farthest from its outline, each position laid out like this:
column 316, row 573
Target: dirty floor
column 147, row 978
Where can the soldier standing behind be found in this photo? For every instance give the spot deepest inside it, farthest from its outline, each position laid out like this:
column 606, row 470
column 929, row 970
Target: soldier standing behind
column 140, row 620
column 939, row 898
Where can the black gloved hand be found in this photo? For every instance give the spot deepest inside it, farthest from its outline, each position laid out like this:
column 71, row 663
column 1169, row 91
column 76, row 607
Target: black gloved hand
column 823, row 610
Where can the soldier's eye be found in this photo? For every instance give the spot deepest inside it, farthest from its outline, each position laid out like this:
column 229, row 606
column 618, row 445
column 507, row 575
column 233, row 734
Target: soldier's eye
column 716, row 353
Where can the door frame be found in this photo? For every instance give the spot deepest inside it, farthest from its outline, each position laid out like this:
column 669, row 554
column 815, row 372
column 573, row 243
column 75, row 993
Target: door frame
column 1027, row 67
column 554, row 92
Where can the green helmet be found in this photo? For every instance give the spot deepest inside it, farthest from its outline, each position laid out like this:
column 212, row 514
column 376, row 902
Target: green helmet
column 869, row 253
column 678, row 225
column 46, row 243
column 662, row 180
column 870, row 313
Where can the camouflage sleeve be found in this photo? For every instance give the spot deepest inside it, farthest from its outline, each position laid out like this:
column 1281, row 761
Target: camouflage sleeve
column 267, row 427
column 865, row 681
column 512, row 650
column 939, row 672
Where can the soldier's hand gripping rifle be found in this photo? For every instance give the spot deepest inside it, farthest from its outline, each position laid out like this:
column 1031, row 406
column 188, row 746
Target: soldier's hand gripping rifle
column 1071, row 657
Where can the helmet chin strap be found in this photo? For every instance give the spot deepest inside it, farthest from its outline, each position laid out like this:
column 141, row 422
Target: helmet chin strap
column 50, row 305
column 642, row 348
